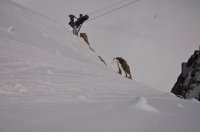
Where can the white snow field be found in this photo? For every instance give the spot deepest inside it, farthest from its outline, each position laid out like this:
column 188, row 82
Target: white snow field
column 50, row 81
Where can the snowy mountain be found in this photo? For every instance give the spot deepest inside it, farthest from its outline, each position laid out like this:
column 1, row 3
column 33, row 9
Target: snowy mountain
column 50, row 80
column 155, row 30
column 187, row 84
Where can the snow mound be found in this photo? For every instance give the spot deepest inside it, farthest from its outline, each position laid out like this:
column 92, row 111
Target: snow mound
column 141, row 103
column 10, row 29
column 179, row 105
column 83, row 98
column 49, row 72
column 169, row 95
column 194, row 100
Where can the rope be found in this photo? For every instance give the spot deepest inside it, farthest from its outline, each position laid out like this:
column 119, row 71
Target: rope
column 112, row 10
column 107, row 7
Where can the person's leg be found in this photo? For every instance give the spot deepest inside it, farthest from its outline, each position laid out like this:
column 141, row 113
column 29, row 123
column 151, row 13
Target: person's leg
column 75, row 32
column 71, row 23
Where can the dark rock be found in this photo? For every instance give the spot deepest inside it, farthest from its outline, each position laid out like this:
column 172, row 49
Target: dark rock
column 85, row 37
column 194, row 71
column 125, row 67
column 193, row 58
column 198, row 98
column 177, row 89
column 189, row 79
column 102, row 60
column 92, row 49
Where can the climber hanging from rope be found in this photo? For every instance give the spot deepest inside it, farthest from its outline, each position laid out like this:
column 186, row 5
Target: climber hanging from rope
column 78, row 23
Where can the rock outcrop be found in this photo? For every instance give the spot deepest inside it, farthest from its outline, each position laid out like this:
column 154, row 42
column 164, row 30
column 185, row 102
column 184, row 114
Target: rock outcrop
column 119, row 65
column 188, row 82
column 85, row 38
column 102, row 60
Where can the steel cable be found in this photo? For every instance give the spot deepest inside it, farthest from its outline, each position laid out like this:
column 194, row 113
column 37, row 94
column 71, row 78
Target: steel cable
column 112, row 10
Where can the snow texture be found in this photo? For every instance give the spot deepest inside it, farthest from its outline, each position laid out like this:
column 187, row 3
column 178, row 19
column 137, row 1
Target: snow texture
column 11, row 29
column 50, row 81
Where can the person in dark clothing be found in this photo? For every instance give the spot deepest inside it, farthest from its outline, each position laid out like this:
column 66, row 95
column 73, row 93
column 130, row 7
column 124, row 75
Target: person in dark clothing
column 77, row 25
column 71, row 23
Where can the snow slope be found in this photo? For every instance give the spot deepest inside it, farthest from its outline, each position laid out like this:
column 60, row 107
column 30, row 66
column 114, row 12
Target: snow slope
column 51, row 81
column 158, row 35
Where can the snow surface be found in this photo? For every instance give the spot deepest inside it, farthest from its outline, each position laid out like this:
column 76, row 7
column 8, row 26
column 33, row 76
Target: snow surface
column 50, row 81
column 153, row 47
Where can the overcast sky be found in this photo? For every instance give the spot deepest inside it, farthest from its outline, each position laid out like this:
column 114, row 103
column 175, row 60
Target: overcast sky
column 153, row 47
